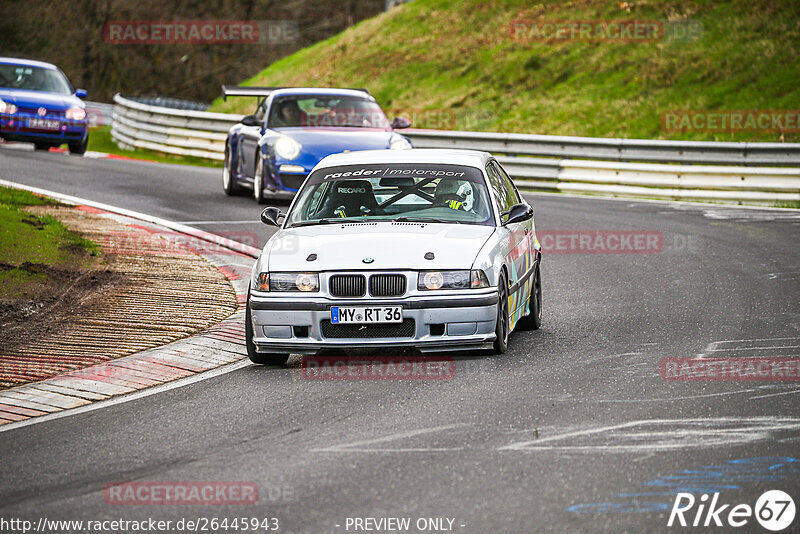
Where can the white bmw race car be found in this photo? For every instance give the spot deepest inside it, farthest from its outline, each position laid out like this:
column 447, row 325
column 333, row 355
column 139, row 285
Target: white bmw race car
column 428, row 249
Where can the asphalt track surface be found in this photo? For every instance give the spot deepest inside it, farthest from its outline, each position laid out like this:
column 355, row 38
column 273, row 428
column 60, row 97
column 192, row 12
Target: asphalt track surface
column 572, row 430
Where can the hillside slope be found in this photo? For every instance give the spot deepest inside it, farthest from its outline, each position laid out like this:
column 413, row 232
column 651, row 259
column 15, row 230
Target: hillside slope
column 455, row 64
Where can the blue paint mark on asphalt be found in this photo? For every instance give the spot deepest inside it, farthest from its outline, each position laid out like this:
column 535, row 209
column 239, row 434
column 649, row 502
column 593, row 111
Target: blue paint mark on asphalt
column 707, row 479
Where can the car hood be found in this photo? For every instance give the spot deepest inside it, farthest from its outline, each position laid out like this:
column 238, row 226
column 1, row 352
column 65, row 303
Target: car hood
column 52, row 101
column 390, row 246
column 322, row 142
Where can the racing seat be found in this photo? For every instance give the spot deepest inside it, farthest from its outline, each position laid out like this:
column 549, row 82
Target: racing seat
column 347, row 197
column 446, row 194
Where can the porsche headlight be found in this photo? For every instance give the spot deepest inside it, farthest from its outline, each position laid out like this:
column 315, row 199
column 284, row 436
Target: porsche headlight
column 287, row 148
column 399, row 142
column 305, row 282
column 432, row 280
column 75, row 114
column 6, row 108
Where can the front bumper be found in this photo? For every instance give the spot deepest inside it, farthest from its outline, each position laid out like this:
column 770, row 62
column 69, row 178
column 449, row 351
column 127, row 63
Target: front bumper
column 15, row 128
column 440, row 323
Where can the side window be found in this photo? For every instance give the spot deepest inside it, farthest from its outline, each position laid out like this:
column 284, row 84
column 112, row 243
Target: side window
column 496, row 184
column 501, row 193
column 261, row 112
column 511, row 189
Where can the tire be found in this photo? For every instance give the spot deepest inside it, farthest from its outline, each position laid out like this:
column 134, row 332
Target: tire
column 258, row 181
column 501, row 326
column 229, row 185
column 42, row 146
column 533, row 320
column 260, row 358
column 79, row 149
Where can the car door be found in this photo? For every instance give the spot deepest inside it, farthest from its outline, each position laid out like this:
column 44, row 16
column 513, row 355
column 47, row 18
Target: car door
column 518, row 254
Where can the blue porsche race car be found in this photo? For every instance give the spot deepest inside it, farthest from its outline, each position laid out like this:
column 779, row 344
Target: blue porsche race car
column 272, row 151
column 39, row 106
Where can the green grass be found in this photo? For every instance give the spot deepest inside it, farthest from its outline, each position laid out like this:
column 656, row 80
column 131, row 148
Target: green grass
column 27, row 239
column 100, row 140
column 456, row 58
column 791, row 204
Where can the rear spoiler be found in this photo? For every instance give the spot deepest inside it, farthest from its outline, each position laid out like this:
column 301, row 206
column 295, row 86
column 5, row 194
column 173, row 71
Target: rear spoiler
column 263, row 92
column 241, row 90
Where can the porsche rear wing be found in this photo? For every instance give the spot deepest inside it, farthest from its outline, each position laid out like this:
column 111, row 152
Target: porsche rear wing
column 241, row 90
column 261, row 92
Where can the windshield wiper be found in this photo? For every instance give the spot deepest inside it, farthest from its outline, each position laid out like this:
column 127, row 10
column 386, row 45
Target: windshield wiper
column 423, row 220
column 335, row 220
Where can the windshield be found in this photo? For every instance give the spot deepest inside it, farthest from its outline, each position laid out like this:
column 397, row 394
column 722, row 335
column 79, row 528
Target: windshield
column 326, row 111
column 399, row 192
column 33, row 79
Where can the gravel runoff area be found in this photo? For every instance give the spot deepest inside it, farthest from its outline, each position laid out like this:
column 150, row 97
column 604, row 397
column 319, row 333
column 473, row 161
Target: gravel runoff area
column 154, row 289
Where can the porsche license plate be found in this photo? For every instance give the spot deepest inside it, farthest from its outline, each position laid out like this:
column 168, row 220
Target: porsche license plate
column 374, row 314
column 44, row 124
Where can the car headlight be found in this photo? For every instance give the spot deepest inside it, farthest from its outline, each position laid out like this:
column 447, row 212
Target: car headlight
column 432, row 280
column 7, row 108
column 398, row 142
column 287, row 148
column 305, row 282
column 75, row 114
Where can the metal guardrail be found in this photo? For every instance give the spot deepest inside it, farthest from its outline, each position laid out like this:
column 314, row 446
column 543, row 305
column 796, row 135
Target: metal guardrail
column 170, row 102
column 173, row 131
column 629, row 167
column 99, row 113
column 608, row 149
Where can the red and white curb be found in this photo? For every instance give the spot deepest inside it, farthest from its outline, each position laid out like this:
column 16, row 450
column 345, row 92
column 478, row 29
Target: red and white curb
column 28, row 147
column 188, row 360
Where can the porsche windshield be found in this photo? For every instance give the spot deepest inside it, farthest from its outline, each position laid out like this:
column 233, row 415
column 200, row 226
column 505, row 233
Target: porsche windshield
column 398, row 192
column 338, row 111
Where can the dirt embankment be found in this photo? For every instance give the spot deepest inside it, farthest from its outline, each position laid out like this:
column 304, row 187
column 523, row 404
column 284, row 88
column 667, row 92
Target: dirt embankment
column 144, row 291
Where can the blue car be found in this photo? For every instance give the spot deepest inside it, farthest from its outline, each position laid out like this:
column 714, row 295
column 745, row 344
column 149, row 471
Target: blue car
column 272, row 151
column 39, row 106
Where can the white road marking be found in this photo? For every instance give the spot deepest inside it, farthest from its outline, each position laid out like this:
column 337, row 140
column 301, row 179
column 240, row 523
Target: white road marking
column 181, row 382
column 675, row 204
column 730, row 345
column 358, row 446
column 248, row 221
column 182, row 228
column 667, row 434
column 687, row 397
column 776, row 394
column 758, row 348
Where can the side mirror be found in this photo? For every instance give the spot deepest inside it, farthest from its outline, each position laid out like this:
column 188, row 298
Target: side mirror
column 251, row 120
column 517, row 213
column 271, row 215
column 398, row 123
column 81, row 93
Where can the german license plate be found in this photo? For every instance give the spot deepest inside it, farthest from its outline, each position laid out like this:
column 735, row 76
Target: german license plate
column 44, row 124
column 373, row 314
